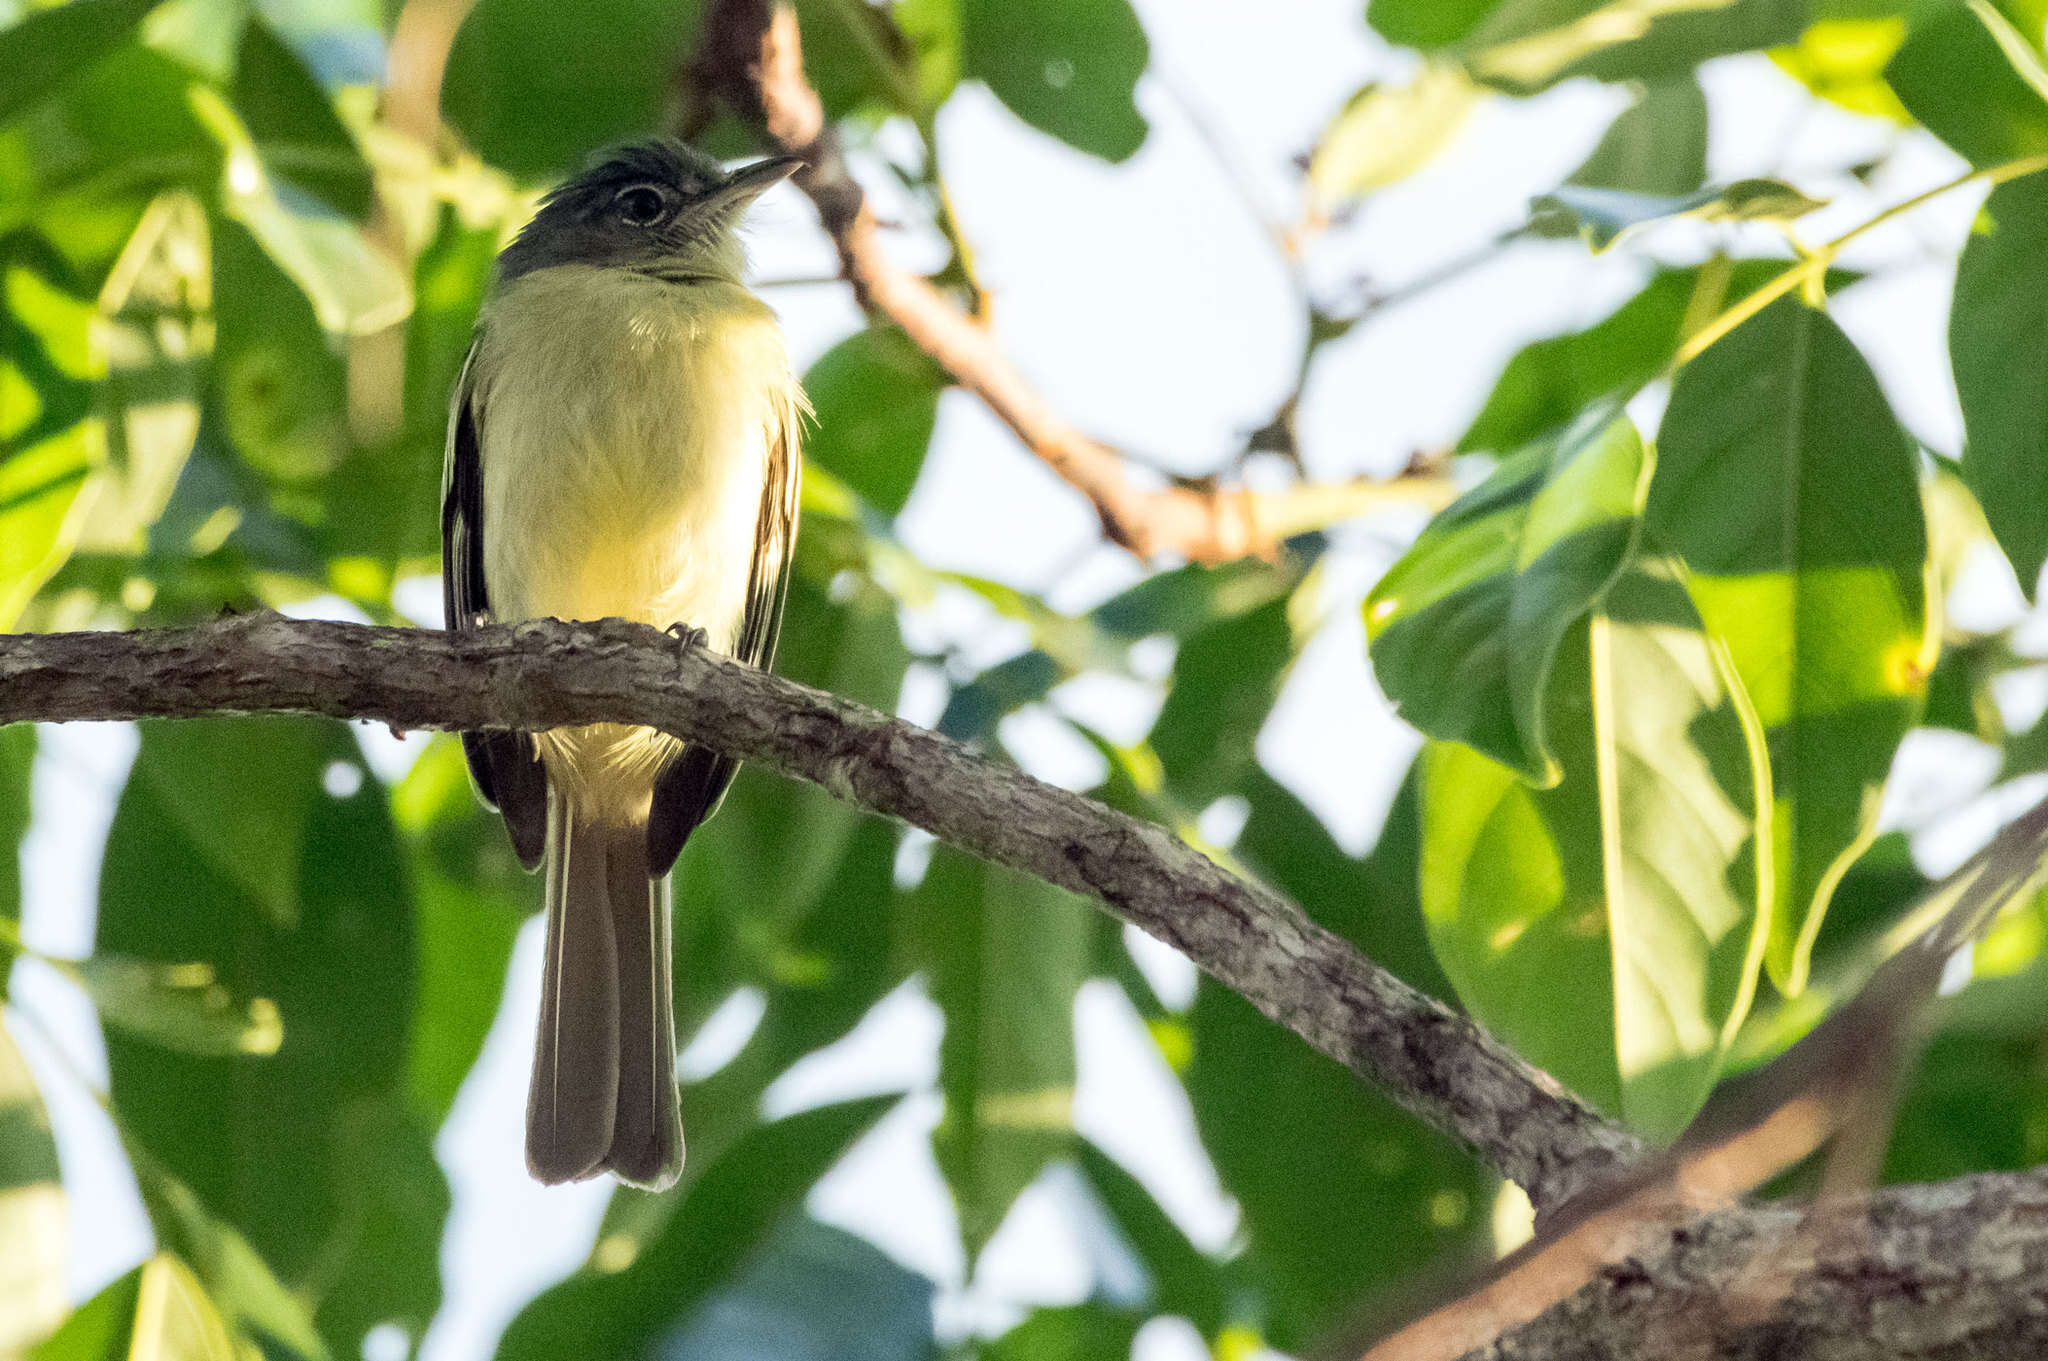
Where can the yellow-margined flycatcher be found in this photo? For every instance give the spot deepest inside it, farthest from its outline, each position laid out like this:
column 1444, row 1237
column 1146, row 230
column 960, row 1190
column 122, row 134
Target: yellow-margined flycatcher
column 622, row 442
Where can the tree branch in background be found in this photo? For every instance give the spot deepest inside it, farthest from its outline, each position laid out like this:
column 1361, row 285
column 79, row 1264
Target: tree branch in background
column 751, row 59
column 547, row 674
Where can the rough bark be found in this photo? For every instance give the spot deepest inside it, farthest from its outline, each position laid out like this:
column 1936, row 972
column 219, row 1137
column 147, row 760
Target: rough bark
column 545, row 674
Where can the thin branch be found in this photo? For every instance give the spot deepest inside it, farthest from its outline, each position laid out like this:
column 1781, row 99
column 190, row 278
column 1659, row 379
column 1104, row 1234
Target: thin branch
column 546, row 674
column 751, row 60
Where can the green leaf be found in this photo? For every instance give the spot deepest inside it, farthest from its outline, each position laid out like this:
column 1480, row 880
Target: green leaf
column 1225, row 682
column 1549, row 382
column 17, row 766
column 1953, row 77
column 877, row 397
column 1067, row 67
column 354, row 285
column 1842, row 60
column 1004, row 956
column 281, row 387
column 602, row 73
column 158, row 1310
column 1080, row 1332
column 728, row 1213
column 1658, row 145
column 1527, row 45
column 50, row 46
column 1999, row 350
column 1633, row 887
column 1602, row 215
column 1427, row 24
column 33, row 1229
column 1342, row 1193
column 254, row 1304
column 1464, row 627
column 179, row 1006
column 294, row 123
column 1977, row 1103
column 812, row 1293
column 1793, row 495
column 1184, row 1280
column 227, row 849
column 1385, row 133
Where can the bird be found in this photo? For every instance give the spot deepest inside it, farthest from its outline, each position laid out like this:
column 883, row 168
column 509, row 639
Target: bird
column 623, row 441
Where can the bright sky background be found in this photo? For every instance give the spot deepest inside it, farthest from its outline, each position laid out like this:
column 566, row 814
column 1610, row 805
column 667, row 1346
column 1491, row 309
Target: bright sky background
column 1148, row 303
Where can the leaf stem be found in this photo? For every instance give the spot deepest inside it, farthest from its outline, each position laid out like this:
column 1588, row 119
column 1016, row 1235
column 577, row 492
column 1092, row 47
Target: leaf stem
column 1818, row 261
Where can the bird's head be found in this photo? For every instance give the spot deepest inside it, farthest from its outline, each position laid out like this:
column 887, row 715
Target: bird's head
column 656, row 207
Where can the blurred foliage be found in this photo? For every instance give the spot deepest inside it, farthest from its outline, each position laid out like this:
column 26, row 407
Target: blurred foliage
column 1663, row 672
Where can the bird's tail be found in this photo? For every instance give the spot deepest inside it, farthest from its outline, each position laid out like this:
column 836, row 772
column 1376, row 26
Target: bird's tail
column 603, row 1096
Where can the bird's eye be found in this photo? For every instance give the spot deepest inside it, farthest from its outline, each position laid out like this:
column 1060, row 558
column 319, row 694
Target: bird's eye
column 641, row 205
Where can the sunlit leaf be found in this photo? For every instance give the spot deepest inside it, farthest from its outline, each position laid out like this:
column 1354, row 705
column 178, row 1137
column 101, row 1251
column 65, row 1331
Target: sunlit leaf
column 1426, row 24
column 179, row 1006
column 1792, row 493
column 1999, row 351
column 17, row 766
column 1843, row 61
column 249, row 1297
column 157, row 1311
column 1527, row 45
column 1611, row 928
column 33, row 1230
column 1464, row 628
column 1386, row 133
column 1067, row 67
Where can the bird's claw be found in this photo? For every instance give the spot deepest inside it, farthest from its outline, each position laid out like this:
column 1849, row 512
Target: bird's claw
column 688, row 635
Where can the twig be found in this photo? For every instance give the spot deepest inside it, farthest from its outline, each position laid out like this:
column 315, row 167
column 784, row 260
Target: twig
column 547, row 674
column 751, row 60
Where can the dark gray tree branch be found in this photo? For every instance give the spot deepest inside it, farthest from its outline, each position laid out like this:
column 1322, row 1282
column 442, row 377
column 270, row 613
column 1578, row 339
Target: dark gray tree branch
column 546, row 674
column 1956, row 1271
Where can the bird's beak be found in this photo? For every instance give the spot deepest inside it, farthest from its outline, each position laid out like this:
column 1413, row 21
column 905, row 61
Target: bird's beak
column 749, row 182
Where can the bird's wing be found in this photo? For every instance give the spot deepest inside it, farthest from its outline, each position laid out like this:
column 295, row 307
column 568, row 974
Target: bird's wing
column 507, row 772
column 689, row 791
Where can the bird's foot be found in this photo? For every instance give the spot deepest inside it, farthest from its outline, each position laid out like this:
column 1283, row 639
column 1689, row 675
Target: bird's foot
column 688, row 635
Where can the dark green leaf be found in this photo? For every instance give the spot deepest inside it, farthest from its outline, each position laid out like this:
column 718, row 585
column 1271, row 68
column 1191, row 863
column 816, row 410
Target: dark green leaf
column 1225, row 681
column 877, row 396
column 1977, row 1103
column 1184, row 1280
column 1067, row 67
column 226, row 849
column 1464, row 627
column 33, row 1231
column 281, row 387
column 601, row 72
column 17, row 764
column 1952, row 76
column 1657, row 146
column 50, row 46
column 1999, row 349
column 813, row 1293
column 294, row 122
column 1791, row 492
column 727, row 1214
column 1004, row 956
column 1081, row 1332
column 1635, row 887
